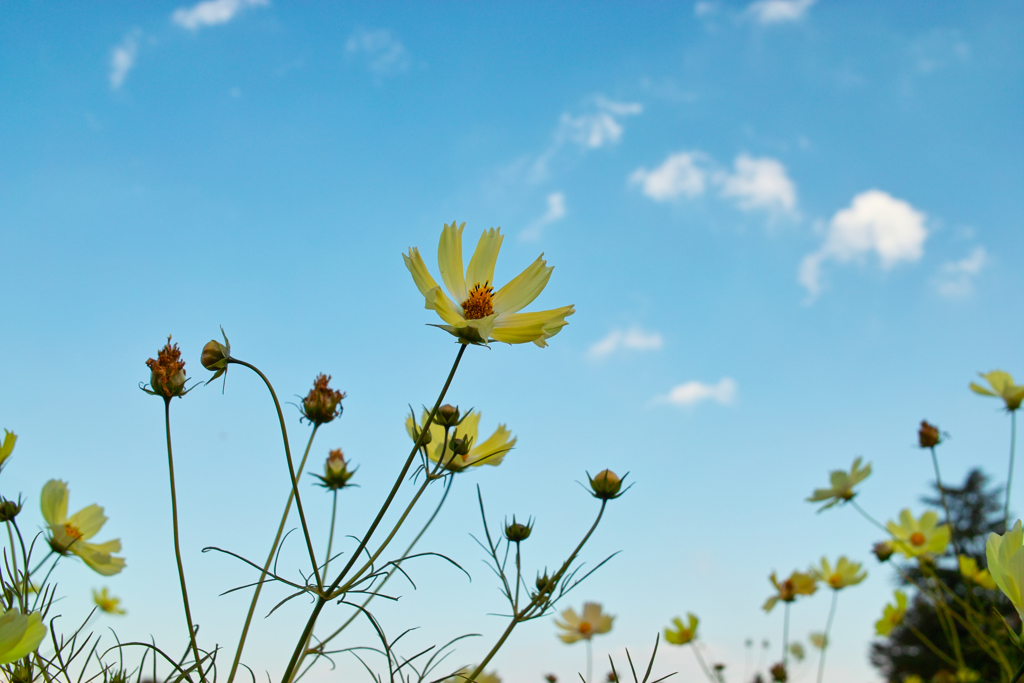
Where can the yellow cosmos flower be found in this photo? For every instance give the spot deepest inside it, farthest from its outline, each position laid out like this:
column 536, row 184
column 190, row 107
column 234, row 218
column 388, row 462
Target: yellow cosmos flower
column 682, row 634
column 844, row 574
column 488, row 452
column 478, row 313
column 463, row 675
column 72, row 534
column 1006, row 564
column 584, row 626
column 842, row 485
column 20, row 634
column 892, row 615
column 969, row 570
column 798, row 583
column 7, row 446
column 919, row 537
column 107, row 602
column 1003, row 387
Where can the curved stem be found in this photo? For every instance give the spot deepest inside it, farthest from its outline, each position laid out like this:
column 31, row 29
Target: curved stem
column 828, row 629
column 321, row 600
column 177, row 546
column 1009, row 478
column 291, row 470
column 266, row 565
column 1020, row 672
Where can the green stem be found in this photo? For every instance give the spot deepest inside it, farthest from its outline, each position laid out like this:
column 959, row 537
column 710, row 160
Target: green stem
column 1009, row 476
column 321, row 600
column 177, row 546
column 266, row 565
column 1020, row 672
column 828, row 629
column 785, row 637
column 590, row 660
column 700, row 660
column 291, row 470
column 330, row 534
column 942, row 494
column 14, row 577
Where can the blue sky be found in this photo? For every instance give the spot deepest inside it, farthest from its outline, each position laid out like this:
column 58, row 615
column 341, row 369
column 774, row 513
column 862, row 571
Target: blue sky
column 790, row 229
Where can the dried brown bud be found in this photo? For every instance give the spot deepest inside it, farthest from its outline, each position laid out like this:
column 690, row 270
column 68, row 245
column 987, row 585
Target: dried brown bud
column 167, row 372
column 778, row 673
column 322, row 404
column 883, row 550
column 928, row 435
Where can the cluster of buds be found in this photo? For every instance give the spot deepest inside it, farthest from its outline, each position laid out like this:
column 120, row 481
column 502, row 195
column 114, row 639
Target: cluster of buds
column 167, row 373
column 606, row 485
column 336, row 473
column 516, row 532
column 928, row 435
column 322, row 404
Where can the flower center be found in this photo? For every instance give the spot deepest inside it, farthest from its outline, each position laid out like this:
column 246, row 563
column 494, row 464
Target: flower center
column 585, row 628
column 917, row 538
column 480, row 302
column 836, row 580
column 72, row 531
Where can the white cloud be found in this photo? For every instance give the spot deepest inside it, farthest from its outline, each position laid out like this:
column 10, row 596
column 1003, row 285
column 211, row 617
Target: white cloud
column 705, row 8
column 778, row 11
column 692, row 393
column 555, row 212
column 122, row 59
column 874, row 222
column 603, row 127
column 938, row 49
column 384, row 53
column 634, row 339
column 759, row 184
column 956, row 278
column 212, row 12
column 678, row 175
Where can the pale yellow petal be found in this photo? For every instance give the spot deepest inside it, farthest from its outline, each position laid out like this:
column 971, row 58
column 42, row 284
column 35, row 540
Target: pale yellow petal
column 54, row 502
column 88, row 520
column 470, row 426
column 524, row 288
column 449, row 260
column 481, row 266
column 493, row 450
column 536, row 327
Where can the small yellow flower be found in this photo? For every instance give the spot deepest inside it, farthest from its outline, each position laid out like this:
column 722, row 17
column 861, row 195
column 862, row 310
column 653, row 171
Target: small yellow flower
column 969, row 570
column 72, row 534
column 915, row 538
column 478, row 313
column 586, row 626
column 818, row 640
column 682, row 634
column 798, row 583
column 845, row 573
column 7, row 447
column 107, row 602
column 842, row 485
column 489, row 452
column 1005, row 556
column 1003, row 387
column 463, row 675
column 20, row 634
column 892, row 615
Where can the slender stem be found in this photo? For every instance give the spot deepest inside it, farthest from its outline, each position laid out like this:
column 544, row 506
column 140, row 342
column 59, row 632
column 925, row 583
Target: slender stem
column 270, row 559
column 828, row 629
column 931, row 646
column 330, row 534
column 1020, row 672
column 14, row 560
column 1009, row 477
column 177, row 546
column 590, row 660
column 700, row 660
column 291, row 470
column 785, row 637
column 942, row 494
column 321, row 600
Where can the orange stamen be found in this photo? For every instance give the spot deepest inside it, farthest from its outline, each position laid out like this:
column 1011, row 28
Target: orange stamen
column 917, row 538
column 480, row 303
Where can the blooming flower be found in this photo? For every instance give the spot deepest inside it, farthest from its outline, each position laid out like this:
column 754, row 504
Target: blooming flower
column 1006, row 564
column 1003, row 387
column 969, row 570
column 107, row 602
column 845, row 573
column 842, row 485
column 919, row 537
column 20, row 634
column 798, row 583
column 892, row 615
column 585, row 626
column 72, row 534
column 489, row 452
column 478, row 313
column 682, row 634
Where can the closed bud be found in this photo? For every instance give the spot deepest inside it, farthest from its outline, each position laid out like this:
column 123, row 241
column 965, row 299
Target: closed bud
column 516, row 532
column 322, row 404
column 423, row 437
column 215, row 356
column 883, row 550
column 447, row 415
column 544, row 584
column 9, row 509
column 928, row 436
column 606, row 485
column 461, row 445
column 778, row 673
column 551, row 678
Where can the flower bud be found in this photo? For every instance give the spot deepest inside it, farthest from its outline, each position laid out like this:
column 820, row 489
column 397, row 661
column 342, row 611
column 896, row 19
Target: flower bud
column 447, row 415
column 928, row 436
column 544, row 584
column 322, row 404
column 461, row 445
column 883, row 550
column 167, row 372
column 216, row 355
column 778, row 673
column 423, row 437
column 9, row 509
column 517, row 532
column 336, row 472
column 606, row 485
column 551, row 678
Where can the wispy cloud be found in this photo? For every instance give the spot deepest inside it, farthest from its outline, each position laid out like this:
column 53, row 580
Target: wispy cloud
column 694, row 392
column 875, row 222
column 122, row 59
column 383, row 52
column 956, row 278
column 212, row 12
column 939, row 48
column 679, row 175
column 759, row 184
column 778, row 11
column 633, row 339
column 555, row 212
